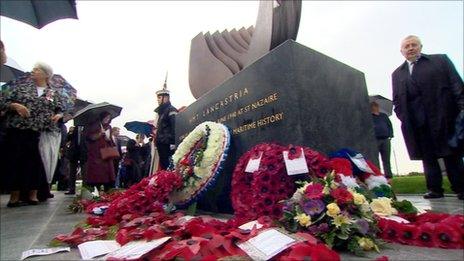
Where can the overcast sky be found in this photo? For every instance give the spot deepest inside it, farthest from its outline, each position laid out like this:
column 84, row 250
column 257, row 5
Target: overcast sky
column 120, row 51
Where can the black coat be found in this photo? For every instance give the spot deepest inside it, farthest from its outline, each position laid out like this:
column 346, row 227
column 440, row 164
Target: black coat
column 430, row 98
column 165, row 132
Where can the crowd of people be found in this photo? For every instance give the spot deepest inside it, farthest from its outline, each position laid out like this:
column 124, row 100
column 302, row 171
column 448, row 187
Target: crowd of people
column 428, row 96
column 34, row 110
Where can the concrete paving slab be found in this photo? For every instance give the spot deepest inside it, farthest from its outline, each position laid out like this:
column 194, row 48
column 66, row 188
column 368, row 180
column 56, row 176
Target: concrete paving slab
column 29, row 227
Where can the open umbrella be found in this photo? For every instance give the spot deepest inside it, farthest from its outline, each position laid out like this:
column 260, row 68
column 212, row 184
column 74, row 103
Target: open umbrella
column 385, row 105
column 10, row 70
column 80, row 104
column 92, row 112
column 139, row 127
column 38, row 13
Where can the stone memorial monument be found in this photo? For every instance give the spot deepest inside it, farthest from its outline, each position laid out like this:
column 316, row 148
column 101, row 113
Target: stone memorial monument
column 290, row 95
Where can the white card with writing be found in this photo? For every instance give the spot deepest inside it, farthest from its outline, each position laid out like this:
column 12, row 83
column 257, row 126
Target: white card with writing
column 267, row 244
column 295, row 166
column 361, row 163
column 251, row 224
column 136, row 249
column 91, row 249
column 43, row 251
column 253, row 164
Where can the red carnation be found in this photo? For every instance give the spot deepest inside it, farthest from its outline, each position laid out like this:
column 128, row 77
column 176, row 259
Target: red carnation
column 314, row 191
column 341, row 195
column 342, row 166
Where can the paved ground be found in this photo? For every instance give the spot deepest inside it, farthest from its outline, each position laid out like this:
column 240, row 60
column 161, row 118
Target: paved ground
column 29, row 227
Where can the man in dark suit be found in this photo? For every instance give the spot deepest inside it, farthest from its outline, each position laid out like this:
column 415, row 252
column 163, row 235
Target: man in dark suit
column 428, row 94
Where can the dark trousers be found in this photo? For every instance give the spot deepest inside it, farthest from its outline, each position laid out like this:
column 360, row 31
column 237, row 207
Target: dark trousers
column 73, row 165
column 384, row 150
column 453, row 163
column 454, row 168
column 165, row 154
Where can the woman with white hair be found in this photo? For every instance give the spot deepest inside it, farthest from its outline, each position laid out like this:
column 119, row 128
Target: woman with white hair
column 31, row 108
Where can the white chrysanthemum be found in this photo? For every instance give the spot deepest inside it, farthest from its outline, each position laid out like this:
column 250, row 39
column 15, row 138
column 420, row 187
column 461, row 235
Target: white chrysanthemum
column 350, row 182
column 375, row 181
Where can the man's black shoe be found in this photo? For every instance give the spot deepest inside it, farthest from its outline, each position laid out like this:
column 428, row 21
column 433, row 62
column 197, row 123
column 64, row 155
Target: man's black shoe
column 461, row 196
column 430, row 195
column 33, row 202
column 13, row 204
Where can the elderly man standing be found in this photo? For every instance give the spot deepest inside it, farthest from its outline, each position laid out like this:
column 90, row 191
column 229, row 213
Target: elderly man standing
column 428, row 94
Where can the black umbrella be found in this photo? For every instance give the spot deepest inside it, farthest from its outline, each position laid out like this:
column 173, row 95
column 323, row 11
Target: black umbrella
column 139, row 127
column 385, row 105
column 80, row 104
column 92, row 112
column 8, row 73
column 38, row 13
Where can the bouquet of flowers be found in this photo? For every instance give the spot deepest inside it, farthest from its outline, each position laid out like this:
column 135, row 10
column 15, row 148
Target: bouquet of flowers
column 338, row 215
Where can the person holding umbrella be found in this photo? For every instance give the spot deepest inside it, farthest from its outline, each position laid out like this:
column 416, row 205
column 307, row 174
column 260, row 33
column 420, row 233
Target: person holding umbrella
column 99, row 169
column 31, row 108
column 165, row 132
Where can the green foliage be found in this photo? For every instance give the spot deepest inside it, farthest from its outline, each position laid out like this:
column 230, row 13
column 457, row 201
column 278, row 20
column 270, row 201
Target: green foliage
column 192, row 209
column 83, row 225
column 57, row 243
column 404, row 206
column 354, row 248
column 76, row 206
column 112, row 231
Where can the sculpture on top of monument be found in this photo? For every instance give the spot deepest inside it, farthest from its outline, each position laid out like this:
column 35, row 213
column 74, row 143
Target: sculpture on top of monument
column 216, row 57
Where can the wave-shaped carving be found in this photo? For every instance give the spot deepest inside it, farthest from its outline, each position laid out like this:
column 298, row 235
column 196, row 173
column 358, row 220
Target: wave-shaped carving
column 216, row 57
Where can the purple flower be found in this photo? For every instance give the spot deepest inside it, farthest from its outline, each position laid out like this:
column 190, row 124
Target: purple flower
column 288, row 206
column 313, row 207
column 363, row 226
column 320, row 229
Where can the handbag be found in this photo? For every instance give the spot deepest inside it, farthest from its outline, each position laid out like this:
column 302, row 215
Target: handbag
column 109, row 153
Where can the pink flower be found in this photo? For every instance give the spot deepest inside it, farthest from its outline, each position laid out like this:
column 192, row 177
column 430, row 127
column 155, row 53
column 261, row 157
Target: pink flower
column 314, row 191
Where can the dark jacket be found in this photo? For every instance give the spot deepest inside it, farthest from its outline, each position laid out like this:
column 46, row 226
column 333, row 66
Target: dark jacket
column 382, row 126
column 166, row 126
column 430, row 98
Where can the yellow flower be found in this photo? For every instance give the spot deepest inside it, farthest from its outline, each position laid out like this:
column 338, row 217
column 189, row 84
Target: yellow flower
column 303, row 188
column 326, row 190
column 340, row 220
column 366, row 244
column 332, row 209
column 358, row 199
column 333, row 185
column 382, row 206
column 303, row 219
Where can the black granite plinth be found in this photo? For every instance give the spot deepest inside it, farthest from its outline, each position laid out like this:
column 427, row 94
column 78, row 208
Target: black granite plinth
column 292, row 95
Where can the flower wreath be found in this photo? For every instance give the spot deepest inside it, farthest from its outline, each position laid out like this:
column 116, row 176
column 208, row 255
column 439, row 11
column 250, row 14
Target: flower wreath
column 258, row 193
column 199, row 159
